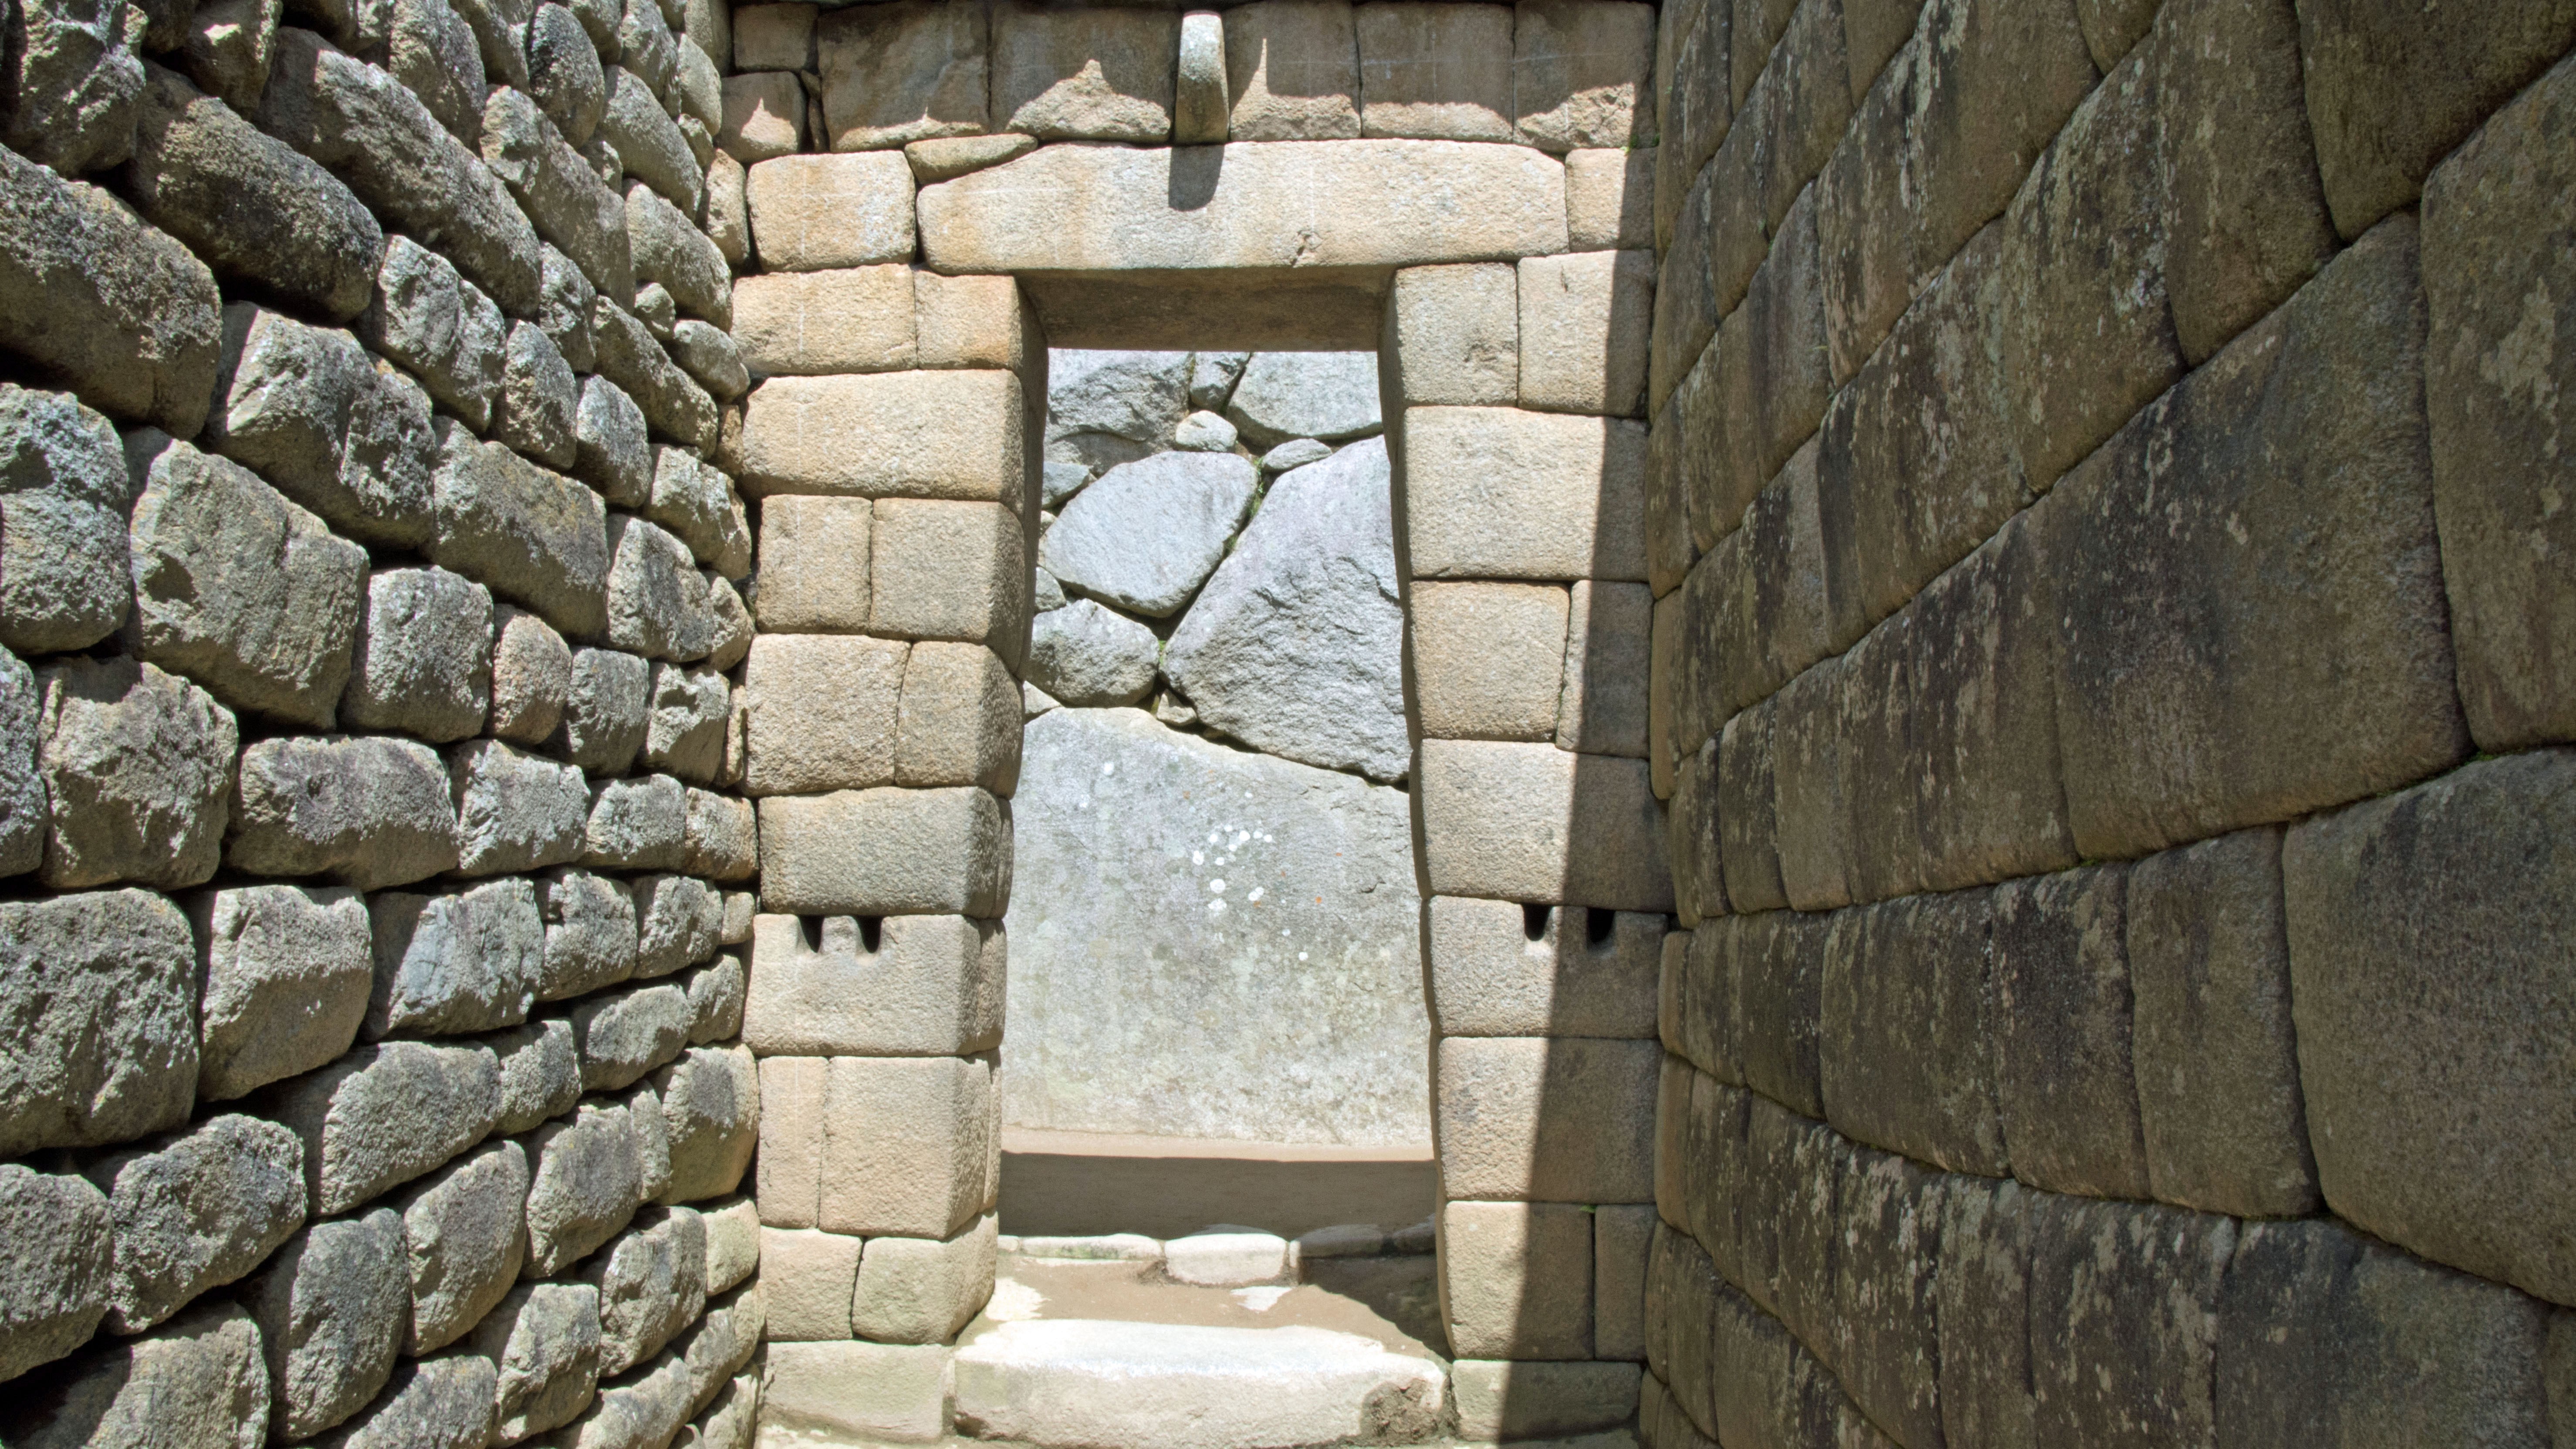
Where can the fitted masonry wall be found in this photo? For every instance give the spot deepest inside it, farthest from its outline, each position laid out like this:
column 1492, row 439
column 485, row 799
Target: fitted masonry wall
column 2104, row 522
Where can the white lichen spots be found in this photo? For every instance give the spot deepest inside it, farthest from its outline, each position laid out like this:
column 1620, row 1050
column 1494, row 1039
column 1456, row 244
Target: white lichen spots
column 1109, row 767
column 1216, row 908
column 1255, row 897
column 1217, row 885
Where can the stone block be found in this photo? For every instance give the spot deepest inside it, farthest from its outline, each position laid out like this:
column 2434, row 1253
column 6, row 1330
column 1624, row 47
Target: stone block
column 1813, row 820
column 464, row 1232
column 438, row 326
column 733, row 1242
column 2123, row 1318
column 1582, row 74
column 103, row 1046
column 446, row 1402
column 808, row 1278
column 1548, row 1120
column 1686, row 301
column 877, row 1390
column 932, row 986
column 65, row 506
column 790, row 1162
column 514, row 810
column 118, row 310
column 670, row 249
column 1748, row 825
column 535, row 538
column 563, row 310
column 423, row 658
column 385, row 1114
column 639, row 824
column 1503, row 493
column 692, row 708
column 2320, row 395
column 1500, row 1400
column 916, row 1290
column 729, row 209
column 2491, row 261
column 659, row 604
column 1292, row 71
column 648, row 1408
column 563, row 72
column 58, row 1269
column 905, row 1147
column 194, row 1211
column 764, row 117
column 944, row 434
column 977, row 322
column 1908, row 1046
column 572, row 206
column 722, row 1343
column 654, row 149
column 544, row 1339
column 773, row 37
column 1267, row 205
column 677, row 919
column 722, row 842
column 652, row 1284
column 607, row 711
column 2383, row 903
column 1456, row 328
column 198, row 1380
column 1535, row 823
column 1887, row 1288
column 1516, row 1279
column 958, row 722
column 1987, row 1230
column 1610, row 200
column 733, row 1419
column 848, row 319
column 1693, row 425
column 948, row 570
column 1699, row 991
column 822, row 712
column 331, row 1306
column 610, row 452
column 1095, row 75
column 1763, row 606
column 1583, row 973
column 540, row 1074
column 813, row 563
column 711, row 1104
column 73, row 83
column 315, row 416
column 1487, row 659
column 458, row 961
column 1435, row 71
column 241, row 590
column 286, row 972
column 1773, row 375
column 2062, row 1005
column 1620, row 1234
column 1583, row 326
column 809, row 213
column 1198, row 500
column 716, row 991
column 1601, row 706
column 911, row 72
column 1774, row 967
column 366, row 810
column 627, row 353
column 622, row 1035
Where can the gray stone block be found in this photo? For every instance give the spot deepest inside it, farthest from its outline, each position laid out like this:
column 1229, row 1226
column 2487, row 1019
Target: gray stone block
column 809, row 1280
column 331, row 1306
column 1586, row 972
column 2123, row 1321
column 626, row 352
column 1620, row 1233
column 535, row 538
column 933, row 987
column 423, row 662
column 822, row 710
column 540, row 398
column 721, row 1344
column 722, row 843
column 2062, row 1015
column 1061, row 77
column 733, row 1242
column 385, row 1114
column 696, row 502
column 133, row 763
column 1886, row 1288
column 958, row 722
column 652, row 1284
column 677, row 921
column 649, row 142
column 590, row 934
column 540, row 1074
column 73, row 82
column 1748, row 818
column 367, row 810
column 439, row 327
column 622, row 1035
column 656, row 600
column 886, row 852
column 99, row 995
column 196, row 1211
column 23, row 812
column 64, row 508
column 1092, row 656
column 585, row 1183
column 564, row 74
column 1908, row 1047
column 424, row 45
column 464, row 1232
column 564, row 312
column 318, row 418
column 1601, row 708
column 1987, row 1230
column 610, row 452
column 648, row 1408
column 514, row 810
column 670, row 249
column 1100, row 543
column 711, row 1106
column 903, row 75
column 1774, row 972
column 436, row 1403
column 607, row 711
column 56, row 1270
column 638, row 824
column 1548, row 1120
column 544, row 1340
column 241, row 590
column 652, row 1140
column 458, row 961
column 531, row 676
column 567, row 200
column 121, row 312
column 196, row 1381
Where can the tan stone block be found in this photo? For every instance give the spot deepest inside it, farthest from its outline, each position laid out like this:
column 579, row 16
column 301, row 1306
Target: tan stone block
column 1584, row 324
column 1437, row 70
column 1601, row 708
column 1586, row 973
column 1499, row 1400
column 789, row 1185
column 1086, row 73
column 1610, row 198
column 919, row 1290
column 1487, row 659
column 856, row 319
column 932, row 986
column 1457, row 333
column 807, row 1278
column 960, row 719
column 1583, row 73
column 955, row 571
column 809, row 213
column 1292, row 68
column 813, row 564
column 773, row 37
column 1274, row 205
column 1516, row 1279
column 905, row 1145
column 886, row 852
column 763, row 117
column 821, row 712
column 1503, row 493
column 894, row 74
column 1664, row 651
column 1620, row 1235
column 945, row 158
column 1536, row 823
column 904, row 434
column 968, row 321
column 1548, row 1119
column 867, row 1392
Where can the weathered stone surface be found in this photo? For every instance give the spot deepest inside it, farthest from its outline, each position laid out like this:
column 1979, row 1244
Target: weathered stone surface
column 1487, row 658
column 1501, row 493
column 1517, row 1279
column 2062, row 1003
column 367, row 810
column 385, row 1114
column 733, row 1242
column 933, row 986
column 1102, row 543
column 677, row 920
column 609, row 448
column 944, row 434
column 915, row 1290
column 637, row 824
column 544, row 1338
column 538, row 409
column 514, row 810
column 323, row 422
column 773, row 37
column 946, row 158
column 57, row 1268
column 196, row 1211
column 1610, row 199
column 653, row 148
column 821, row 713
column 540, row 1074
column 922, row 1165
column 686, row 735
column 1602, row 704
column 809, row 1278
column 564, row 74
column 897, row 74
column 534, row 537
column 621, row 1035
column 1204, row 432
column 2380, row 911
column 563, row 310
column 1535, row 823
column 444, row 1402
column 63, row 512
column 627, row 352
column 839, row 320
column 286, row 975
column 897, row 1391
column 1564, row 1120
column 1330, row 203
column 73, row 79
column 1581, row 975
column 952, row 571
column 959, row 719
column 1291, row 69
column 460, row 962
column 1104, row 857
column 721, row 841
column 423, row 660
column 1440, row 72
column 1331, row 396
column 2122, row 1319
column 590, row 934
column 434, row 54
column 1583, row 329
column 464, row 1237
column 585, row 1182
column 1110, row 407
column 669, row 249
column 607, row 711
column 656, row 600
column 1456, row 334
column 439, row 326
column 331, row 1307
column 652, row 1284
column 813, row 562
column 1907, row 1040
column 241, row 589
column 106, row 304
column 1294, row 646
column 1582, row 74
column 711, row 1103
column 196, row 1381
column 1499, row 1399
column 1090, row 76
column 646, row 1409
column 886, row 851
column 132, row 762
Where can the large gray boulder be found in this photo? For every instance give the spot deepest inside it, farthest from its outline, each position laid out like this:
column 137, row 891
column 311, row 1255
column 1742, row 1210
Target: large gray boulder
column 385, row 1114
column 309, row 411
column 1146, row 534
column 515, row 810
column 136, row 765
column 456, row 962
column 465, row 1230
column 424, row 656
column 63, row 501
column 1107, row 407
column 1276, row 899
column 287, row 973
column 534, row 537
column 97, row 998
column 1091, row 657
column 57, row 1250
column 1296, row 645
column 368, row 810
column 195, row 1212
column 333, row 1306
column 1327, row 395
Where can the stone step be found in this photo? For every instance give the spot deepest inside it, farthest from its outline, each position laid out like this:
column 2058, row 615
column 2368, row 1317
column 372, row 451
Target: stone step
column 1079, row 1383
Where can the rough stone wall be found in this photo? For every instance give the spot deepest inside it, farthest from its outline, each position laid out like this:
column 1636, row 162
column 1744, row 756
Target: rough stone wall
column 371, row 1070
column 2105, row 522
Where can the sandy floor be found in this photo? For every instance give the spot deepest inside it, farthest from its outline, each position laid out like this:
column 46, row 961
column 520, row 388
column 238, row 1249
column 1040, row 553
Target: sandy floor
column 1391, row 1300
